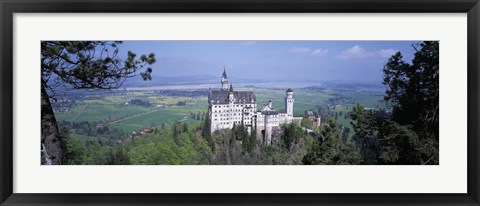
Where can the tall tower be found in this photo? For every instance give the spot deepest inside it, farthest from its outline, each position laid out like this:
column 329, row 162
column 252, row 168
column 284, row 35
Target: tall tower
column 224, row 80
column 289, row 103
column 231, row 100
column 230, row 94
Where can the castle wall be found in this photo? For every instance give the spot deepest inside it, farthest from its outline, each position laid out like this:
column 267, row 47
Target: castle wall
column 223, row 116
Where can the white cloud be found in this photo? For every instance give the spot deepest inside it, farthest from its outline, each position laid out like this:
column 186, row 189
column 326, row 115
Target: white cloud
column 320, row 52
column 301, row 50
column 305, row 50
column 357, row 52
column 386, row 53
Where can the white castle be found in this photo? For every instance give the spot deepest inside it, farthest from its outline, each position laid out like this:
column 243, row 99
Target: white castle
column 227, row 107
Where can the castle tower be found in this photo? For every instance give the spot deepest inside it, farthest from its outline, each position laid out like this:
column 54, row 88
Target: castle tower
column 230, row 93
column 289, row 103
column 231, row 101
column 224, row 80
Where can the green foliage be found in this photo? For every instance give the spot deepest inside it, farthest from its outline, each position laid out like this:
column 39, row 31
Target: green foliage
column 409, row 135
column 250, row 142
column 90, row 64
column 413, row 92
column 237, row 147
column 207, row 134
column 81, row 65
column 291, row 134
column 413, row 89
column 329, row 149
column 365, row 136
column 306, row 123
column 74, row 150
column 188, row 148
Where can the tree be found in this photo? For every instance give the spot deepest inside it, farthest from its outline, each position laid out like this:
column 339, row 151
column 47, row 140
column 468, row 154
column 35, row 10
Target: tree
column 207, row 134
column 307, row 123
column 329, row 149
column 366, row 131
column 413, row 89
column 413, row 92
column 409, row 134
column 291, row 134
column 80, row 65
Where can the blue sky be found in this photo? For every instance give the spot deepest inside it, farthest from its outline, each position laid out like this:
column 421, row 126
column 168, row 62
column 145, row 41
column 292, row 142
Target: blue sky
column 359, row 61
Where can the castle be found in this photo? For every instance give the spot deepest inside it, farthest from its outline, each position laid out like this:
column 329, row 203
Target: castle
column 227, row 107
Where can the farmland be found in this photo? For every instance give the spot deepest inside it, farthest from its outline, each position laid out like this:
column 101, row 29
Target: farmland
column 112, row 109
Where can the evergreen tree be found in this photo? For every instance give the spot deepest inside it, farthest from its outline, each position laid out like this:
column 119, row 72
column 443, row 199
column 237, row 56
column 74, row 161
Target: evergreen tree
column 409, row 135
column 329, row 149
column 365, row 134
column 207, row 134
column 80, row 65
column 413, row 91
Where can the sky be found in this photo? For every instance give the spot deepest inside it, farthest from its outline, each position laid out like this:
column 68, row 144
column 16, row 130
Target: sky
column 293, row 61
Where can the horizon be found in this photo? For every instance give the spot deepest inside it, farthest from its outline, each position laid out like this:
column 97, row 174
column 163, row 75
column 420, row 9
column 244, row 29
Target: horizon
column 268, row 61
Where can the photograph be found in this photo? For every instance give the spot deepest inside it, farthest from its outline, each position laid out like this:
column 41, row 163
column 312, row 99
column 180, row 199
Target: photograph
column 240, row 102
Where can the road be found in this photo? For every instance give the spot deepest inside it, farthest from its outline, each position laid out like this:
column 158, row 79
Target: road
column 79, row 112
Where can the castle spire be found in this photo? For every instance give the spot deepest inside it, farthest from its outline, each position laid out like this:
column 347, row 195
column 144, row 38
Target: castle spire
column 231, row 88
column 224, row 75
column 224, row 80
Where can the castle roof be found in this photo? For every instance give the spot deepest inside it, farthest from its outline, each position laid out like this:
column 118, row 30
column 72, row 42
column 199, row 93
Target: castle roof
column 289, row 90
column 266, row 108
column 231, row 88
column 269, row 112
column 239, row 96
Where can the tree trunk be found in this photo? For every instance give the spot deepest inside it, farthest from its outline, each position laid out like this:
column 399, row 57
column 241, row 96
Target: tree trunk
column 52, row 146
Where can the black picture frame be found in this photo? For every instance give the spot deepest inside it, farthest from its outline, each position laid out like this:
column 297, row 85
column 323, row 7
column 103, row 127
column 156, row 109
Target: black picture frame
column 10, row 7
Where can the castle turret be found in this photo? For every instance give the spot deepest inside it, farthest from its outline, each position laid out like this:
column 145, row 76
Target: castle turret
column 231, row 101
column 289, row 103
column 230, row 91
column 230, row 94
column 270, row 104
column 224, row 80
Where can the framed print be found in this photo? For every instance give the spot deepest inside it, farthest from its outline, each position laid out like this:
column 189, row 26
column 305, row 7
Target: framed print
column 252, row 103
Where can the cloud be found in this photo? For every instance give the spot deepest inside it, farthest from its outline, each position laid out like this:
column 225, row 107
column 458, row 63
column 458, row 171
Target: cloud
column 300, row 50
column 357, row 52
column 305, row 50
column 386, row 53
column 320, row 52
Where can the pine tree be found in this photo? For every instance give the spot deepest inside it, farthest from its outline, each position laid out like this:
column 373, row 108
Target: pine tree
column 81, row 65
column 329, row 149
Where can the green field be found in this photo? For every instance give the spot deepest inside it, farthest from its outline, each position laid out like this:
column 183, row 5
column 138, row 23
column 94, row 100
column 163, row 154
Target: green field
column 127, row 118
column 304, row 100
